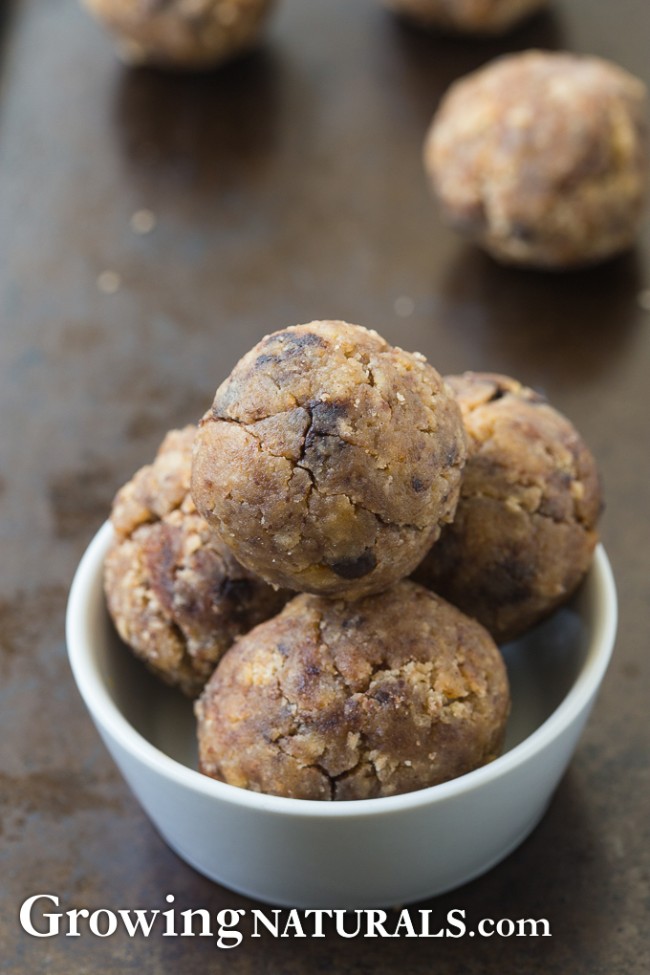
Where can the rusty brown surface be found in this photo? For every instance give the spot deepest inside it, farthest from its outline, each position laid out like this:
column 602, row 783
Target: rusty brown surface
column 285, row 188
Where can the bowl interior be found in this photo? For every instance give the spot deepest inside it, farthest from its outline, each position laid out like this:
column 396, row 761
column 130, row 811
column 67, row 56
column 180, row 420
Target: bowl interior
column 542, row 667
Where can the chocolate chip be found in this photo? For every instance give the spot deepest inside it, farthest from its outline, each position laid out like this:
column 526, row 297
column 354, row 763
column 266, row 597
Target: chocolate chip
column 295, row 341
column 355, row 568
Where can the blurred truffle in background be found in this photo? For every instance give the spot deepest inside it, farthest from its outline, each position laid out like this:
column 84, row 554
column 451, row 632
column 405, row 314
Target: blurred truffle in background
column 189, row 34
column 542, row 158
column 468, row 16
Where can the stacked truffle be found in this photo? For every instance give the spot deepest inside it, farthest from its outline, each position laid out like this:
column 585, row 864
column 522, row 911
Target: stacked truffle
column 333, row 465
column 176, row 593
column 525, row 528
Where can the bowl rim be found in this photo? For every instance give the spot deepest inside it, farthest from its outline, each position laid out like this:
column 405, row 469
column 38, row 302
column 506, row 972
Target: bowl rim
column 109, row 719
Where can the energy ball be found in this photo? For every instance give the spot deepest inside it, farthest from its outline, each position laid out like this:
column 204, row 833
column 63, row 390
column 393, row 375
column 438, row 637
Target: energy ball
column 337, row 700
column 182, row 33
column 468, row 16
column 525, row 527
column 541, row 158
column 329, row 459
column 177, row 595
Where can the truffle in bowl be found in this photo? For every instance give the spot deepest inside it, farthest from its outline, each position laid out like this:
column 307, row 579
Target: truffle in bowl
column 346, row 854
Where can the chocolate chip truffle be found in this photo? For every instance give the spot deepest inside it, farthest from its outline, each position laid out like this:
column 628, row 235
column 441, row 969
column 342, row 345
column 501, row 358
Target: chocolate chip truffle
column 468, row 16
column 177, row 595
column 541, row 158
column 329, row 460
column 337, row 700
column 525, row 527
column 181, row 33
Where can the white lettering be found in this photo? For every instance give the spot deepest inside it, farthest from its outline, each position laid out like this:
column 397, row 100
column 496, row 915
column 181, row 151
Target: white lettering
column 74, row 916
column 228, row 921
column 25, row 916
column 340, row 924
column 293, row 922
column 111, row 923
column 268, row 924
column 531, row 924
column 318, row 918
column 425, row 917
column 188, row 928
column 453, row 921
column 170, row 931
column 484, row 926
column 103, row 922
column 404, row 921
column 140, row 923
column 375, row 923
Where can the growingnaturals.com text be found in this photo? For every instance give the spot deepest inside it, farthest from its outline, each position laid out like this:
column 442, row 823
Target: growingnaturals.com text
column 41, row 916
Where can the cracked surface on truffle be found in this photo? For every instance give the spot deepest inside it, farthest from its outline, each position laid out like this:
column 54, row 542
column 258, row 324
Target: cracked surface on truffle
column 542, row 158
column 329, row 459
column 177, row 595
column 336, row 700
column 182, row 33
column 468, row 16
column 525, row 528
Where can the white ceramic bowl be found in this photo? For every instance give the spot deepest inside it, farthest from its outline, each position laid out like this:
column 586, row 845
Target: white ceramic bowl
column 368, row 853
